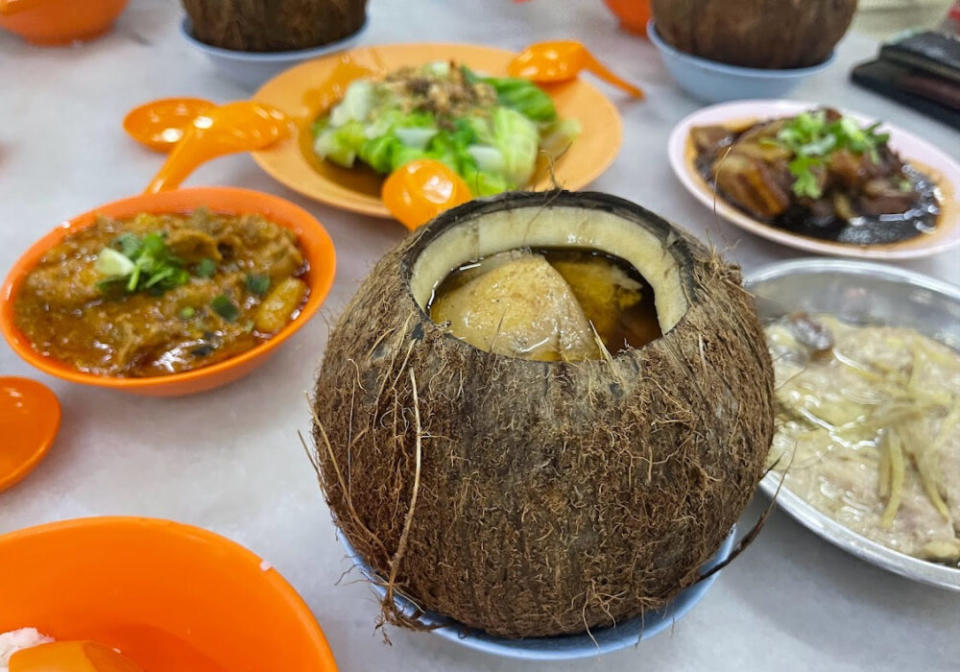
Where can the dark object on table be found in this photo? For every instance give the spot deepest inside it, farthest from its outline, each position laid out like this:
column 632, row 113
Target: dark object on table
column 936, row 53
column 755, row 33
column 921, row 71
column 274, row 25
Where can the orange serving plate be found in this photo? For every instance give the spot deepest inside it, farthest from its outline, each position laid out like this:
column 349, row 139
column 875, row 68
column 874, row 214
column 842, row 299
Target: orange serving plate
column 303, row 93
column 168, row 596
column 312, row 239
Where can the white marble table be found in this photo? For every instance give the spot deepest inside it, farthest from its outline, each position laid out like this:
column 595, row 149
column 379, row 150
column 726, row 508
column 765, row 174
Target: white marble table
column 230, row 461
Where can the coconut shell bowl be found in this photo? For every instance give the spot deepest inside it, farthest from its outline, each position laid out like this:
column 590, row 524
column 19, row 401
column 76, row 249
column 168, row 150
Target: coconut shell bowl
column 169, row 596
column 533, row 505
column 251, row 42
column 721, row 50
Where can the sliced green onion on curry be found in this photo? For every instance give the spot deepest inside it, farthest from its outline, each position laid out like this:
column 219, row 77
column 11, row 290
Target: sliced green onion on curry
column 205, row 268
column 158, row 294
column 225, row 308
column 258, row 283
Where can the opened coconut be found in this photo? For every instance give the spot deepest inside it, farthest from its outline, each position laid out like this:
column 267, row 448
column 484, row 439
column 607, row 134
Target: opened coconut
column 755, row 33
column 507, row 464
column 274, row 25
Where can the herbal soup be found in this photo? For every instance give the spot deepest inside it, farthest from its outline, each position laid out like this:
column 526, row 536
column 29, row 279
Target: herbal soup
column 160, row 294
column 548, row 304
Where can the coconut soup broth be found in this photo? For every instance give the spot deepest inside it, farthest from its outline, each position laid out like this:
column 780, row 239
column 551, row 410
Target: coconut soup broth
column 548, row 304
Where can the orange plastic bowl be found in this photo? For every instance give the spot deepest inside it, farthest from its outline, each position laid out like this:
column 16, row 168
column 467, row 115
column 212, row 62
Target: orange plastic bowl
column 169, row 596
column 313, row 241
column 57, row 22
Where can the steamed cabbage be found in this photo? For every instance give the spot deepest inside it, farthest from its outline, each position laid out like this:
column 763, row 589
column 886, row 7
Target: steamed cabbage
column 489, row 130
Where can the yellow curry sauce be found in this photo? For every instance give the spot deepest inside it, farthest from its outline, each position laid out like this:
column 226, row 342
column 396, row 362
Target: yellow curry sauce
column 160, row 294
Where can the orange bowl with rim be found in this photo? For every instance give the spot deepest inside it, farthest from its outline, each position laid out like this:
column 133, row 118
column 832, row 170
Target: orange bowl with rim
column 59, row 22
column 167, row 595
column 312, row 239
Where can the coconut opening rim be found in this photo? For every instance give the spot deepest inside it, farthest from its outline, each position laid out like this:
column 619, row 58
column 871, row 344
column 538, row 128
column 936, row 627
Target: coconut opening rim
column 655, row 249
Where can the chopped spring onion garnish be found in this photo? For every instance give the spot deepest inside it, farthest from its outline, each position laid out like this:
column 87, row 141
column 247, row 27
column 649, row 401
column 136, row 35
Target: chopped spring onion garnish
column 812, row 140
column 225, row 308
column 257, row 283
column 205, row 268
column 138, row 264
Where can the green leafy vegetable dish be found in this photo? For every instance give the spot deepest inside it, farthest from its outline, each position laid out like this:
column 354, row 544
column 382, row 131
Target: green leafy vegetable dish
column 490, row 130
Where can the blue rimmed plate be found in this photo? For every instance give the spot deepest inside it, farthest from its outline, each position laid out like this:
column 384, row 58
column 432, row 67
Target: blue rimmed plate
column 566, row 647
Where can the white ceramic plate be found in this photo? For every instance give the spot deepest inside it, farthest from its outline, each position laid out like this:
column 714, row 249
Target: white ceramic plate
column 926, row 157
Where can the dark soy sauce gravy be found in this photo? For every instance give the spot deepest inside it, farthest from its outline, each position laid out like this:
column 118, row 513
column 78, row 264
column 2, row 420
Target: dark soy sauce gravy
column 862, row 230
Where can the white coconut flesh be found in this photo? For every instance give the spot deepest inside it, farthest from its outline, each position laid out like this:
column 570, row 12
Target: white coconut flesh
column 517, row 304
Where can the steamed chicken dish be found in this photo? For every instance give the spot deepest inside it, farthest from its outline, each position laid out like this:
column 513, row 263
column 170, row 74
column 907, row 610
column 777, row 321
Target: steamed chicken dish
column 819, row 174
column 869, row 430
column 548, row 305
column 490, row 130
column 161, row 294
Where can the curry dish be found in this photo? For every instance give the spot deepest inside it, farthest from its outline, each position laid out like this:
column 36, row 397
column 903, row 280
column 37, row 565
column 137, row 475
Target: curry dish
column 159, row 294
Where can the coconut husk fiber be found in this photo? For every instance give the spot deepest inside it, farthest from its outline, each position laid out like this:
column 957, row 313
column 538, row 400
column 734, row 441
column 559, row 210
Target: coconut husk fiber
column 755, row 33
column 541, row 498
column 274, row 25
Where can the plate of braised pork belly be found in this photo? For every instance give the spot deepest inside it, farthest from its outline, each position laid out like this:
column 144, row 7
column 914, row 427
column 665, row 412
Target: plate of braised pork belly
column 820, row 179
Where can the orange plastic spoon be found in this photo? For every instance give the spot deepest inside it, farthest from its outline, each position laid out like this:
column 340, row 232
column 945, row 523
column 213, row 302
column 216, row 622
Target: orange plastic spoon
column 160, row 124
column 71, row 657
column 29, row 420
column 418, row 191
column 243, row 126
column 562, row 60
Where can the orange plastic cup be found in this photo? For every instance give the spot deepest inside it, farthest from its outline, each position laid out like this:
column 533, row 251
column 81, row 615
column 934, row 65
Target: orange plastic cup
column 313, row 241
column 168, row 596
column 58, row 22
column 633, row 14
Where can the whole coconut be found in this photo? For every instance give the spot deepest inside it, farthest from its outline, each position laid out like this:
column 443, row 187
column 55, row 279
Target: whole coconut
column 274, row 25
column 755, row 33
column 542, row 498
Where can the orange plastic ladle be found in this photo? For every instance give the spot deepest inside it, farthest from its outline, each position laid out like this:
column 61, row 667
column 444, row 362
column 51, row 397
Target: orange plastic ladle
column 71, row 657
column 242, row 126
column 562, row 60
column 420, row 190
column 160, row 124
